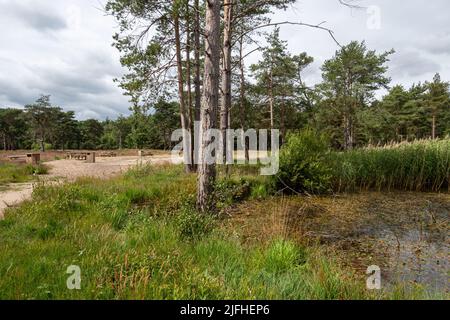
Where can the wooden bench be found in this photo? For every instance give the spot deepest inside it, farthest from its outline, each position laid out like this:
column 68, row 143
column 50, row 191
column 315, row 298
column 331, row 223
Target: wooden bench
column 76, row 156
column 89, row 157
column 108, row 155
column 145, row 153
column 31, row 158
column 34, row 158
column 18, row 159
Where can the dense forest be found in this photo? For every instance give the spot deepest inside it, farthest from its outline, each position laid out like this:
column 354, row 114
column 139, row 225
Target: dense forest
column 422, row 111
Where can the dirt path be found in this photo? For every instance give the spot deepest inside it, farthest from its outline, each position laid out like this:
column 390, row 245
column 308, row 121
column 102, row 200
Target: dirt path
column 70, row 170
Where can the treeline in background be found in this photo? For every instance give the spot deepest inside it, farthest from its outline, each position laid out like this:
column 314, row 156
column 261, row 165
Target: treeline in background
column 43, row 126
column 270, row 94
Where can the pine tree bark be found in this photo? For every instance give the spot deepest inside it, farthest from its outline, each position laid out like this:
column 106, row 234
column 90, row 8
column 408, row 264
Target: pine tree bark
column 348, row 132
column 242, row 111
column 433, row 127
column 210, row 102
column 198, row 93
column 226, row 75
column 283, row 120
column 184, row 112
column 271, row 100
column 193, row 166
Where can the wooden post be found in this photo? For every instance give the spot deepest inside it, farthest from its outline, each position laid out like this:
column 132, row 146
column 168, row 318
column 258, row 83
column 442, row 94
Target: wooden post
column 34, row 158
column 90, row 157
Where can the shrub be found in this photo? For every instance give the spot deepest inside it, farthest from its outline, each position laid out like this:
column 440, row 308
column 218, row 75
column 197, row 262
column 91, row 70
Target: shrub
column 260, row 191
column 229, row 191
column 193, row 225
column 36, row 169
column 307, row 165
column 303, row 165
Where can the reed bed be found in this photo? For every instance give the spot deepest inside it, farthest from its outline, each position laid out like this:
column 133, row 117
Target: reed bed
column 422, row 165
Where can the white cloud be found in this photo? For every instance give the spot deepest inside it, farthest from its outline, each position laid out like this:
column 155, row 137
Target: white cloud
column 63, row 48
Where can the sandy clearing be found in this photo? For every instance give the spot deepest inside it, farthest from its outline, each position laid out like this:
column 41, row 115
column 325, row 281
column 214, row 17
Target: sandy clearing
column 70, row 170
column 104, row 168
column 15, row 194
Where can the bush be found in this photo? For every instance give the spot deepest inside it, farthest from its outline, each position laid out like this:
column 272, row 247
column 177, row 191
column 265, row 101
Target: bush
column 260, row 191
column 229, row 191
column 193, row 225
column 36, row 169
column 303, row 163
column 307, row 165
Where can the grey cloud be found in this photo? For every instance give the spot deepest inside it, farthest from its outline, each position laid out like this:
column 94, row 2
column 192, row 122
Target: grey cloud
column 412, row 64
column 14, row 93
column 436, row 44
column 37, row 19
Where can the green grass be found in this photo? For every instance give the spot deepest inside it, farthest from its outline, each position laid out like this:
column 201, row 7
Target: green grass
column 137, row 237
column 17, row 173
column 417, row 166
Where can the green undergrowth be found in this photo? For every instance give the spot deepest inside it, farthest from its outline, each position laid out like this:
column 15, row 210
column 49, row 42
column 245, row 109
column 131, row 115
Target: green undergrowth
column 18, row 173
column 139, row 237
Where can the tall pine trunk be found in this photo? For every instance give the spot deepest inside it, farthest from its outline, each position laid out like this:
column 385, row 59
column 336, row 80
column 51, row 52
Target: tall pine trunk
column 197, row 50
column 184, row 112
column 193, row 166
column 433, row 127
column 271, row 100
column 226, row 75
column 210, row 102
column 243, row 112
column 348, row 132
column 283, row 120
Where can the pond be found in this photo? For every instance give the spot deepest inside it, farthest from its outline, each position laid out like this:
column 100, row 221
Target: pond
column 404, row 233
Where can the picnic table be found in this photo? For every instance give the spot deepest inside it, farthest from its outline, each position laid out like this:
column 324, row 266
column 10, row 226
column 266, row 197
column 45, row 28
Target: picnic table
column 84, row 156
column 108, row 155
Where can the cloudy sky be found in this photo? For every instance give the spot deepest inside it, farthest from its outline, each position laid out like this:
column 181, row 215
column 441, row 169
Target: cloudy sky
column 63, row 48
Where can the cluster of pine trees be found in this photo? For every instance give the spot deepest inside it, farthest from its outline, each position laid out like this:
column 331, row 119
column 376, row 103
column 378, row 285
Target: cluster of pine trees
column 42, row 126
column 165, row 46
column 171, row 44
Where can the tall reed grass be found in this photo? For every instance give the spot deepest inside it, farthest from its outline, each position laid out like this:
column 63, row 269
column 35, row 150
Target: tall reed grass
column 422, row 165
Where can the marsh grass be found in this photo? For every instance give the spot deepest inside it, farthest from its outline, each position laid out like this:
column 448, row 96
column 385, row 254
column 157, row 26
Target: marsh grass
column 307, row 165
column 138, row 237
column 416, row 166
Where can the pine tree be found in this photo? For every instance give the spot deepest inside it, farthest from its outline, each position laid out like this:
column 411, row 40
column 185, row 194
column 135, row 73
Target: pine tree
column 437, row 104
column 350, row 79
